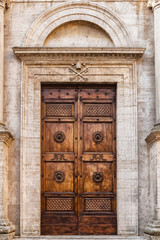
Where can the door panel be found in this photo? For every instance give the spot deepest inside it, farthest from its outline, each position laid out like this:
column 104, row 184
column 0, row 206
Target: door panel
column 93, row 133
column 78, row 160
column 97, row 168
column 59, row 137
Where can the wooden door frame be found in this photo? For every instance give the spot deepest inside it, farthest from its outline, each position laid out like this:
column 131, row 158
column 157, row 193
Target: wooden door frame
column 46, row 66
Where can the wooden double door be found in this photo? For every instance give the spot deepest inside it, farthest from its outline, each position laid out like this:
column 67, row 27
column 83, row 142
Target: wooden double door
column 78, row 167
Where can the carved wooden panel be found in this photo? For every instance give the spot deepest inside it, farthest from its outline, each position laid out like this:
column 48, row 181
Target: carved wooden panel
column 59, row 110
column 59, row 204
column 98, row 137
column 64, row 171
column 98, row 204
column 59, row 137
column 98, row 110
column 105, row 169
column 78, row 167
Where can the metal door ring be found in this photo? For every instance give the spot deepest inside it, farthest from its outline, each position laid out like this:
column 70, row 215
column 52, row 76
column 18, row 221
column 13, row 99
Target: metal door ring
column 97, row 177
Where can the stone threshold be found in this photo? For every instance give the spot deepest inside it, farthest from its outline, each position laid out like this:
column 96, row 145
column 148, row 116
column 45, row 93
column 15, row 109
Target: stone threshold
column 80, row 237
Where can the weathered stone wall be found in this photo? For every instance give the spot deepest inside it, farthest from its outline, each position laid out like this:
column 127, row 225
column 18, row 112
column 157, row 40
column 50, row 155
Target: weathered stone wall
column 139, row 21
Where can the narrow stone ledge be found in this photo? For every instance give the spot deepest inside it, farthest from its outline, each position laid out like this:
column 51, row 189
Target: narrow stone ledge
column 78, row 237
column 25, row 53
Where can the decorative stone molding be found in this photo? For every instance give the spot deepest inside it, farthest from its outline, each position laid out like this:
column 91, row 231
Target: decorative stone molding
column 155, row 4
column 5, row 136
column 153, row 227
column 7, row 230
column 49, row 65
column 154, row 135
column 26, row 53
column 78, row 11
column 2, row 4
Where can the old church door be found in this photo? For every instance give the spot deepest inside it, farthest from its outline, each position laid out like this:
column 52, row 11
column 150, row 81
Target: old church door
column 78, row 167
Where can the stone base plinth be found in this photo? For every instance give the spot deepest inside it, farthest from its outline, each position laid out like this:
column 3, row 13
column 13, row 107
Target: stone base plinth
column 8, row 236
column 153, row 229
column 6, row 229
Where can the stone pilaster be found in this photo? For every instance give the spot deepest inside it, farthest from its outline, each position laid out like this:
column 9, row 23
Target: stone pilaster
column 7, row 230
column 2, row 8
column 153, row 140
column 156, row 10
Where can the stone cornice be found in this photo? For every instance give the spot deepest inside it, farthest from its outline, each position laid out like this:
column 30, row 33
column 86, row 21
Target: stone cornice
column 154, row 136
column 5, row 136
column 26, row 53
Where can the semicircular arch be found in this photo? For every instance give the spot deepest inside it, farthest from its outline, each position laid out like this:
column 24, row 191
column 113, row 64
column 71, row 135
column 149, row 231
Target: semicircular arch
column 73, row 11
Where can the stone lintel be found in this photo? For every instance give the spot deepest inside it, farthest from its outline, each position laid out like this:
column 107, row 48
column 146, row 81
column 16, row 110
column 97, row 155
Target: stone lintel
column 154, row 135
column 5, row 135
column 24, row 53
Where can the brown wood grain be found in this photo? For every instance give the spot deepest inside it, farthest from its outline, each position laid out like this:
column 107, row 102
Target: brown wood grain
column 78, row 167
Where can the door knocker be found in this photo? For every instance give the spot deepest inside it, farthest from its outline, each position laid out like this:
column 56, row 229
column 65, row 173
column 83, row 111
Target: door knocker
column 97, row 177
column 59, row 137
column 97, row 137
column 59, row 176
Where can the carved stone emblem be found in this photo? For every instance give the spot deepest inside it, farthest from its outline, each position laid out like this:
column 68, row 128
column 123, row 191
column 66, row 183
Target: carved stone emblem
column 59, row 137
column 78, row 69
column 59, row 176
column 97, row 177
column 97, row 137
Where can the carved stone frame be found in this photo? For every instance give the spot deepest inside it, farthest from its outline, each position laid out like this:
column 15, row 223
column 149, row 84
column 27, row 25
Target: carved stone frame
column 52, row 66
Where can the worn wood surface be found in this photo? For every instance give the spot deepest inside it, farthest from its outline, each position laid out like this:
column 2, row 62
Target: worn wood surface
column 78, row 160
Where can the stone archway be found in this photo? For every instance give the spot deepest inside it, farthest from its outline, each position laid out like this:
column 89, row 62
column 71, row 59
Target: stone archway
column 78, row 11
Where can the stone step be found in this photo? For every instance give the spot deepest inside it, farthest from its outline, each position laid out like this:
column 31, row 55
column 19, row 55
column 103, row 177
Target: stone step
column 81, row 238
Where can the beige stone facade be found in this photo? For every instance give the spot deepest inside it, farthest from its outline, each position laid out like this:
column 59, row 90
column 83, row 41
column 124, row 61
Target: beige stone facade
column 119, row 42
